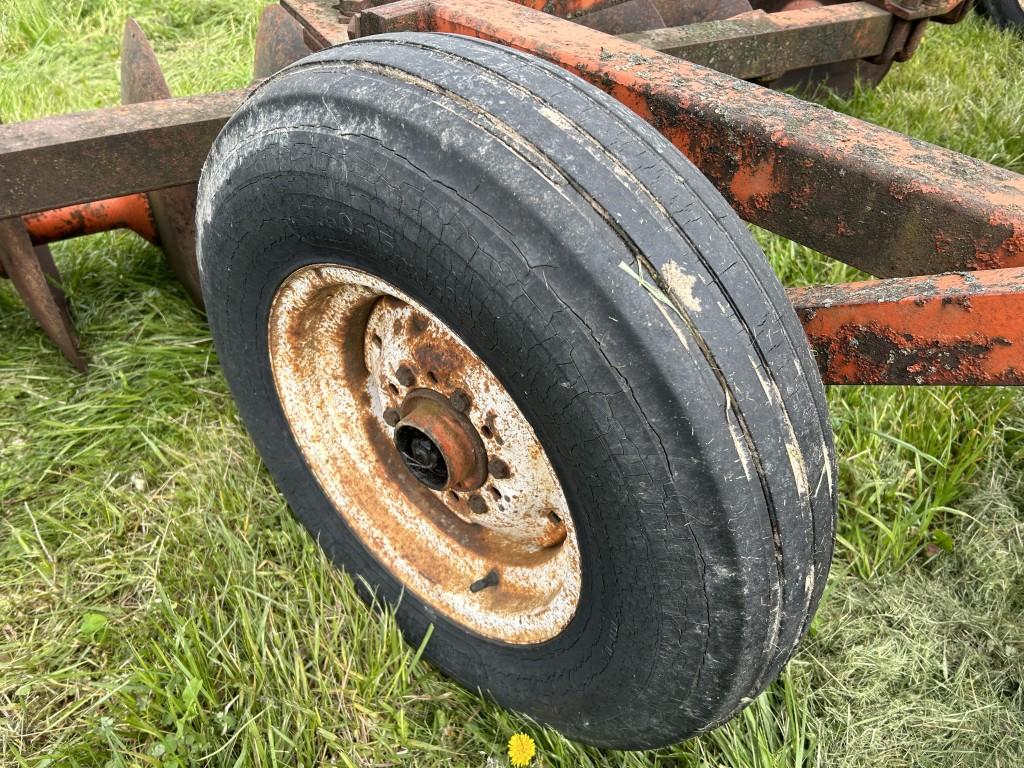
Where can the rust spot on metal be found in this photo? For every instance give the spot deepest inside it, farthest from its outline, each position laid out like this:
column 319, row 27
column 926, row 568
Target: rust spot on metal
column 751, row 188
column 417, row 324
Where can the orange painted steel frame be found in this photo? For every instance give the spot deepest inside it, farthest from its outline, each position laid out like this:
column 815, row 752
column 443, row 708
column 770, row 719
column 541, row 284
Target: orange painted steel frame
column 780, row 163
column 127, row 212
column 876, row 199
column 955, row 328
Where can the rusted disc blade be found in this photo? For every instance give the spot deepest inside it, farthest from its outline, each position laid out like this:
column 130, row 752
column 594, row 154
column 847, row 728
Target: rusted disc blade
column 631, row 16
column 679, row 14
column 35, row 277
column 840, row 77
column 279, row 42
column 174, row 208
column 141, row 76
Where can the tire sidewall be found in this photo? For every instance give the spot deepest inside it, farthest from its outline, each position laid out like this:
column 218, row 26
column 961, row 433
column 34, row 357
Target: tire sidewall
column 621, row 599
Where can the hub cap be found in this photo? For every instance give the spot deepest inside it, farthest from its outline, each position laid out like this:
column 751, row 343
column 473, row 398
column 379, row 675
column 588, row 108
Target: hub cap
column 424, row 454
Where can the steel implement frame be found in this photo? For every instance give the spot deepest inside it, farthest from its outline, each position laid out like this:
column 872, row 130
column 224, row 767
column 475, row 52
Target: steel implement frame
column 78, row 158
column 749, row 46
column 881, row 201
column 930, row 330
column 955, row 328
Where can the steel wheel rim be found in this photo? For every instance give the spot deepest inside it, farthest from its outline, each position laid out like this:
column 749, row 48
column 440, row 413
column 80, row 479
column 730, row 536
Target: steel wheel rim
column 379, row 393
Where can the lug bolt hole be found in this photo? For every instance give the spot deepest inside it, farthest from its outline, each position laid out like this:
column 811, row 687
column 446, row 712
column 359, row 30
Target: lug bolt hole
column 498, row 468
column 495, row 493
column 453, row 497
column 486, row 431
column 432, row 377
column 405, row 376
column 477, row 504
column 392, row 388
column 460, row 401
column 554, row 518
column 377, row 343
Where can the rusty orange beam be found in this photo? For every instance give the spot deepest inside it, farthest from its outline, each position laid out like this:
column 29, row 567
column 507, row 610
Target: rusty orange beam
column 324, row 23
column 960, row 328
column 874, row 198
column 128, row 212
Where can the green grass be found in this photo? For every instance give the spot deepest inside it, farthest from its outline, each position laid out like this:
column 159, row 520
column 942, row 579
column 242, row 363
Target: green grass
column 159, row 606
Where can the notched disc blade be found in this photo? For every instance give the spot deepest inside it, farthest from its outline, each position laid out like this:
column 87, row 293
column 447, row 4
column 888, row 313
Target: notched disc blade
column 141, row 76
column 679, row 14
column 630, row 16
column 173, row 209
column 279, row 42
column 174, row 212
column 37, row 281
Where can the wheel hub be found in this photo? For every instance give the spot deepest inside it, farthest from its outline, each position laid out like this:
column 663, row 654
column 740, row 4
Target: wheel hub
column 439, row 445
column 424, row 454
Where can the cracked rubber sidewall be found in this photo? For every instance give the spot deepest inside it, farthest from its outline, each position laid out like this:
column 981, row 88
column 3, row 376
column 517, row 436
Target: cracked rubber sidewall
column 683, row 615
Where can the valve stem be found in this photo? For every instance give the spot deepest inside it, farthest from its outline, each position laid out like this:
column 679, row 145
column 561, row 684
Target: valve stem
column 490, row 580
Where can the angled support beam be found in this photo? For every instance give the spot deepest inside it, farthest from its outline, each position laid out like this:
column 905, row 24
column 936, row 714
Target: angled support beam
column 37, row 281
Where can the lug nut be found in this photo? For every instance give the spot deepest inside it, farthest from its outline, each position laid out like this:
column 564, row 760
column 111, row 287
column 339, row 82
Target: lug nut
column 498, row 468
column 405, row 377
column 460, row 401
column 392, row 417
column 477, row 505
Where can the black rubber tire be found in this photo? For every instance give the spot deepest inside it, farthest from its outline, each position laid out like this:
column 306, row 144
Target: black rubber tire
column 1005, row 14
column 686, row 422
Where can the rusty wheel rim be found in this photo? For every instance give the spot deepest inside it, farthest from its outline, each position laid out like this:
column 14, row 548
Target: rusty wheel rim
column 424, row 454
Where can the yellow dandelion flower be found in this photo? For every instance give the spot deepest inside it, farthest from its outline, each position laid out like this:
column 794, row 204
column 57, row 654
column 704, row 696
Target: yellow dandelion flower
column 521, row 750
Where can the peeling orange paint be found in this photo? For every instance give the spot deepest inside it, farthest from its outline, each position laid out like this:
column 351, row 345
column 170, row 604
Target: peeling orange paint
column 753, row 186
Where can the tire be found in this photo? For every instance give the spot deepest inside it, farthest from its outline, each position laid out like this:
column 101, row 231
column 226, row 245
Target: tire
column 1005, row 14
column 636, row 325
